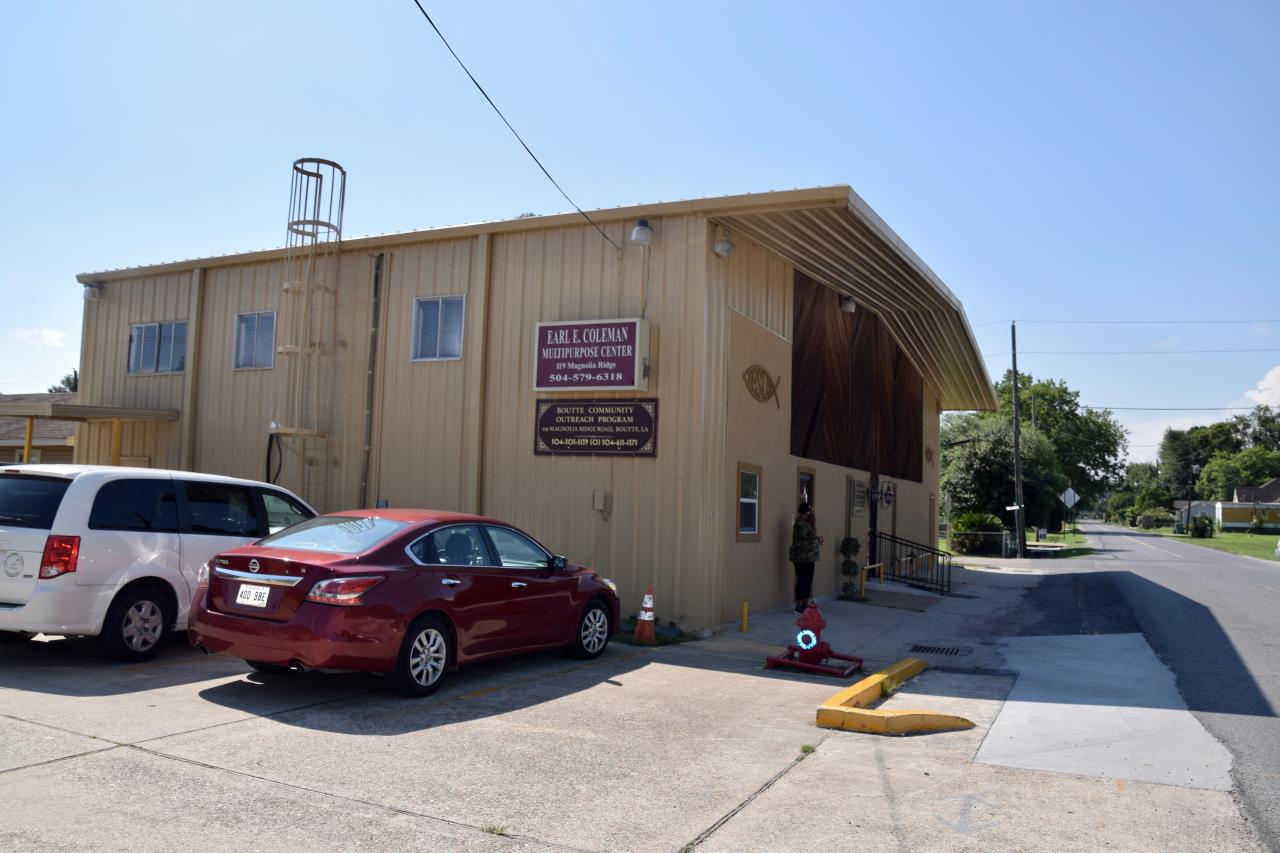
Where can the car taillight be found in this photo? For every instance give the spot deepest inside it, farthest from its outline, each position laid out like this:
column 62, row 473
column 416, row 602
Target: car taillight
column 202, row 575
column 343, row 591
column 60, row 556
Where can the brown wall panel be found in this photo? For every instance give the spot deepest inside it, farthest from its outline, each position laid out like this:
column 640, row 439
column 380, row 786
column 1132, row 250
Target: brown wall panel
column 856, row 400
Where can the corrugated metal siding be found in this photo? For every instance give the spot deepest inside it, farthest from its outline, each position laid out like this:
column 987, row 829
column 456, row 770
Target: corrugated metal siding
column 759, row 285
column 423, row 437
column 657, row 505
column 104, row 358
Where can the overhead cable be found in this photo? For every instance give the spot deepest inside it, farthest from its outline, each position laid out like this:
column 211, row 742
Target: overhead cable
column 512, row 129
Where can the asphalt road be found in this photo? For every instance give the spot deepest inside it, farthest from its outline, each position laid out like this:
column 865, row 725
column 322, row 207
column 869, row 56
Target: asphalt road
column 1214, row 619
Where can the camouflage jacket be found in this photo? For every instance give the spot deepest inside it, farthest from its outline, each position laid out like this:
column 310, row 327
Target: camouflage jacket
column 804, row 541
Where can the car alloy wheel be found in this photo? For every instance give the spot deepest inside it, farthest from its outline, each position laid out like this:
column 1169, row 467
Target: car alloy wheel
column 143, row 626
column 593, row 631
column 428, row 657
column 424, row 658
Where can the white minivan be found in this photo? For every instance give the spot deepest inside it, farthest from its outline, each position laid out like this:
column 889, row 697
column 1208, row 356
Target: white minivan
column 96, row 550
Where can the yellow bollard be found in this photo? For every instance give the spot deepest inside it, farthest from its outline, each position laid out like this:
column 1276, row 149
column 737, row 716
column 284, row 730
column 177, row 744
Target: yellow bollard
column 742, row 625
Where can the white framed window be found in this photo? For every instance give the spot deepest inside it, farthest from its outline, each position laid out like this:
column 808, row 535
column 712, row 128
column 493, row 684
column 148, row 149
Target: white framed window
column 437, row 327
column 36, row 456
column 748, row 502
column 255, row 340
column 157, row 347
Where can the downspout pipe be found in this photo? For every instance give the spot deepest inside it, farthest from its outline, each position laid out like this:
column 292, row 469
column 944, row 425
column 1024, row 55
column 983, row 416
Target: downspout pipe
column 375, row 320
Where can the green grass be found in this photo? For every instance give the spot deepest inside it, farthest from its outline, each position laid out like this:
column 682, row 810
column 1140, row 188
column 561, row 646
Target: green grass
column 1068, row 537
column 1261, row 545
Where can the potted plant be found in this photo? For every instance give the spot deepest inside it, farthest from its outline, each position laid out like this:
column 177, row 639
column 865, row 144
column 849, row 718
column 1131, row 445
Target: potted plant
column 849, row 548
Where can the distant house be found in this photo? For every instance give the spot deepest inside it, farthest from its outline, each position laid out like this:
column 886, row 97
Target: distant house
column 51, row 441
column 1268, row 492
column 1205, row 508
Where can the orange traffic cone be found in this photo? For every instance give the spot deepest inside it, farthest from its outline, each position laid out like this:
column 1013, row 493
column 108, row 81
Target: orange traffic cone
column 645, row 624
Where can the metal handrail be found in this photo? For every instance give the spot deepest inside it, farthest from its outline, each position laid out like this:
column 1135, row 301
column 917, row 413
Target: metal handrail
column 914, row 563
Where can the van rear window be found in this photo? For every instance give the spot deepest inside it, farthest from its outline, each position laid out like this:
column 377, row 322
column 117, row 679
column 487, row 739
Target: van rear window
column 27, row 501
column 335, row 534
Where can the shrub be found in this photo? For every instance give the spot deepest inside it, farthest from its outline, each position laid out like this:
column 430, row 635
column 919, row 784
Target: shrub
column 966, row 522
column 1201, row 527
column 1155, row 518
column 849, row 548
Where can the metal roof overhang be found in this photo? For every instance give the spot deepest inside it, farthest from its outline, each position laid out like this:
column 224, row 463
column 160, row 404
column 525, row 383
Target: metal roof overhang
column 848, row 248
column 81, row 412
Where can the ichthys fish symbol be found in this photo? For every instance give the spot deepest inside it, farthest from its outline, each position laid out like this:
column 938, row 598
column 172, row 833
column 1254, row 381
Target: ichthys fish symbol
column 761, row 385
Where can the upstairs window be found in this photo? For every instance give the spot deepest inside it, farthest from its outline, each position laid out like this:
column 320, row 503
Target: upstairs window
column 158, row 347
column 255, row 340
column 437, row 328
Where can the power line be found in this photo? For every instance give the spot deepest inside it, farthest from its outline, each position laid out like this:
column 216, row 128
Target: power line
column 1138, row 352
column 1129, row 322
column 1173, row 408
column 512, row 129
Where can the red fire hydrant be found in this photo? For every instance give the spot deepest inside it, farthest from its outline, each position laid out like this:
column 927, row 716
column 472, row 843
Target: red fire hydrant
column 810, row 652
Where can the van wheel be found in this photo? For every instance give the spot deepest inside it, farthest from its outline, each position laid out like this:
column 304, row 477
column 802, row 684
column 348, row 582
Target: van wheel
column 137, row 624
column 261, row 666
column 13, row 638
column 593, row 631
column 424, row 657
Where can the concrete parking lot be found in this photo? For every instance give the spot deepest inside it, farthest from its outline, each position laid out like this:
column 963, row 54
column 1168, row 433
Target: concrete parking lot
column 692, row 746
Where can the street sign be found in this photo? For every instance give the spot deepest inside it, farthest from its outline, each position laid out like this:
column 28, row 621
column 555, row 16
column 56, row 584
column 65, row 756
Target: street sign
column 1069, row 497
column 1013, row 508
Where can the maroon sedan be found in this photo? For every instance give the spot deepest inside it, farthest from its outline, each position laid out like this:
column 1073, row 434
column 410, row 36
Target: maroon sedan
column 406, row 592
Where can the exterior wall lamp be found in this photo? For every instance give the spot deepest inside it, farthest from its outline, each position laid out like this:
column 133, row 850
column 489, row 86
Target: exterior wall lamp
column 93, row 291
column 642, row 234
column 883, row 496
column 848, row 305
column 723, row 246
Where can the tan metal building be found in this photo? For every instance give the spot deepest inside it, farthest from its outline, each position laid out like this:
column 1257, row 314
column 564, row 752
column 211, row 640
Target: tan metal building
column 764, row 385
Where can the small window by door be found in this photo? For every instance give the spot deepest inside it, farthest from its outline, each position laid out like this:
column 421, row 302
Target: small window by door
column 804, row 486
column 748, row 502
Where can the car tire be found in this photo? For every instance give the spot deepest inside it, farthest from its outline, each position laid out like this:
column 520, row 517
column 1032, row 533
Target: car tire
column 13, row 638
column 137, row 624
column 592, row 636
column 424, row 657
column 262, row 666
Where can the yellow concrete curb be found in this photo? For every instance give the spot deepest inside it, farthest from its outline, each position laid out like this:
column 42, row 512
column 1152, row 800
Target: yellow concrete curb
column 848, row 710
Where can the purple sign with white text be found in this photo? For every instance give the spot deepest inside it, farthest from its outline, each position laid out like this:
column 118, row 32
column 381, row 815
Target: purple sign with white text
column 607, row 355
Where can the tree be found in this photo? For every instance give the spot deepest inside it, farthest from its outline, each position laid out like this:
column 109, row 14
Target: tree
column 1140, row 490
column 1182, row 450
column 1225, row 471
column 1259, row 428
column 70, row 382
column 977, row 469
column 1089, row 444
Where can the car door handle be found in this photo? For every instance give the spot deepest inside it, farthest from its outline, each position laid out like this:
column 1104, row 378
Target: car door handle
column 450, row 581
column 518, row 584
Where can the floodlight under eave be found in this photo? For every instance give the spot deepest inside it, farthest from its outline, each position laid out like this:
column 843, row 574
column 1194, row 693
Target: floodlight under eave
column 642, row 234
column 724, row 247
column 848, row 305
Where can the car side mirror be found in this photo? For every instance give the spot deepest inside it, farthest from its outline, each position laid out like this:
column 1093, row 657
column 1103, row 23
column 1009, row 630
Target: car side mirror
column 558, row 563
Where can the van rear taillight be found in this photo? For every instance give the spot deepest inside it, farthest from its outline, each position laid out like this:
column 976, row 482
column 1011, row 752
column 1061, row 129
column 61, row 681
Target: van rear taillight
column 60, row 556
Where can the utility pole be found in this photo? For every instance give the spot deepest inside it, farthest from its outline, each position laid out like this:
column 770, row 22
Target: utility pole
column 1019, row 513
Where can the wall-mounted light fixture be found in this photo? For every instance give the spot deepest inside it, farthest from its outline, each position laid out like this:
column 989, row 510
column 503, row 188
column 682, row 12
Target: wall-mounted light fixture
column 642, row 234
column 723, row 246
column 883, row 495
column 93, row 291
column 847, row 305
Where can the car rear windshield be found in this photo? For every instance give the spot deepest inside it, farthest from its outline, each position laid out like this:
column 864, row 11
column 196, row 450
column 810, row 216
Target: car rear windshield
column 335, row 534
column 27, row 501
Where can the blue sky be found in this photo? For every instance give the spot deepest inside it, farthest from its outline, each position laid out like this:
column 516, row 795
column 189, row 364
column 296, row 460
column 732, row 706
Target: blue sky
column 1050, row 161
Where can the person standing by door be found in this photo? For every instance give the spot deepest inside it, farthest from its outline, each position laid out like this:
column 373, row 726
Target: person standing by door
column 806, row 548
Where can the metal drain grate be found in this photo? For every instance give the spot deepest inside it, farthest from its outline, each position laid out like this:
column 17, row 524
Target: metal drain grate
column 936, row 650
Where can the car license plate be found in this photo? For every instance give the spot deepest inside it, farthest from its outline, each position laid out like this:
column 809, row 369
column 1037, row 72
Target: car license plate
column 254, row 596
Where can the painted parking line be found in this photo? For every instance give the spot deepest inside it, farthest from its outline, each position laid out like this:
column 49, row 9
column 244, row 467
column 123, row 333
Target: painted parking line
column 1155, row 548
